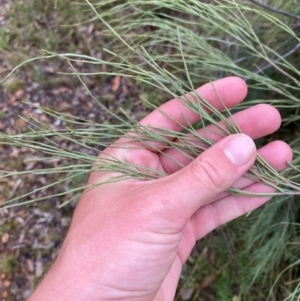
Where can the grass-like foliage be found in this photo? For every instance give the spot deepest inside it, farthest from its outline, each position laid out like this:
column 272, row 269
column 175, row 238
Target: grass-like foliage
column 173, row 46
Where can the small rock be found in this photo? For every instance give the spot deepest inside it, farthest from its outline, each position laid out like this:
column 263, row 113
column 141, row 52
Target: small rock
column 5, row 294
column 65, row 221
column 27, row 294
column 187, row 293
column 49, row 70
column 30, row 265
column 35, row 85
column 19, row 94
column 5, row 238
column 7, row 283
column 19, row 220
column 38, row 268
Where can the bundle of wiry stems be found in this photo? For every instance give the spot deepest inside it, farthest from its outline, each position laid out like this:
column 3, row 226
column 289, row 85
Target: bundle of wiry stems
column 173, row 46
column 98, row 136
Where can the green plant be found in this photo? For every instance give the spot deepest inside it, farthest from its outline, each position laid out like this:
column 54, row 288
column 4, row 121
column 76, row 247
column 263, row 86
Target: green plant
column 173, row 46
column 7, row 264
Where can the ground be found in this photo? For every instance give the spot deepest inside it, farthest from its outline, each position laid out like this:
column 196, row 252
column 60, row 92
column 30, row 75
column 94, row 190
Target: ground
column 31, row 235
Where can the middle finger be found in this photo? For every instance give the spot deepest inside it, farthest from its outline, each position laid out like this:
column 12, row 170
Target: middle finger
column 256, row 122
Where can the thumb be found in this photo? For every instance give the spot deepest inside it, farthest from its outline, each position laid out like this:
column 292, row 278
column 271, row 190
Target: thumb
column 210, row 174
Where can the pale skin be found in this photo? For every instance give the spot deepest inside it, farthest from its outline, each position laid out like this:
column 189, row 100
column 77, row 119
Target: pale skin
column 129, row 240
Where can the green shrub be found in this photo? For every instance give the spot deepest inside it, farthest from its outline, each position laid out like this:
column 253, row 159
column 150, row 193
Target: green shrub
column 173, row 46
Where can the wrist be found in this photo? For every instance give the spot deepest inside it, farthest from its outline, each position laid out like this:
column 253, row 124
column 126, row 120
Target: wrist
column 63, row 284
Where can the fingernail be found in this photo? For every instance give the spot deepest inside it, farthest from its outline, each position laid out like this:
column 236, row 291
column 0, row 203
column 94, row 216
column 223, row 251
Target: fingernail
column 239, row 149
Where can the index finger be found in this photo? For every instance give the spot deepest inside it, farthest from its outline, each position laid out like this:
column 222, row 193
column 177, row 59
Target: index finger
column 174, row 115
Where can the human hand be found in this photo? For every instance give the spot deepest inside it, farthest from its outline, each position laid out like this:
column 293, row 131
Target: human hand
column 128, row 240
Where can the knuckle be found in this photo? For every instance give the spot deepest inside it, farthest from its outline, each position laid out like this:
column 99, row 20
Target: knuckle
column 206, row 171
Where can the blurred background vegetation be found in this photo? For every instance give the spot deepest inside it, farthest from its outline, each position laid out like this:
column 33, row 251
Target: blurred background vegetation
column 253, row 258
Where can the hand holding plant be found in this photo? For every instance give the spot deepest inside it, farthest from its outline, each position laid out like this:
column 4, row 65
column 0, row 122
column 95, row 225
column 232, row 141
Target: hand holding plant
column 129, row 239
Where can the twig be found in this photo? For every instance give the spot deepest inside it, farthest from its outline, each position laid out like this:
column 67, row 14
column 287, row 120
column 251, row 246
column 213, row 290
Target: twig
column 275, row 10
column 263, row 68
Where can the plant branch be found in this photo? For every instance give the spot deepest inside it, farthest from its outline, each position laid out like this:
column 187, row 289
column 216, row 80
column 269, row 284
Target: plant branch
column 275, row 10
column 291, row 51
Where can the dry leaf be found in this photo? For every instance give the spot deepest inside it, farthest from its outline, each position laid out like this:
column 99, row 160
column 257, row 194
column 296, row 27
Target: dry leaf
column 116, row 83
